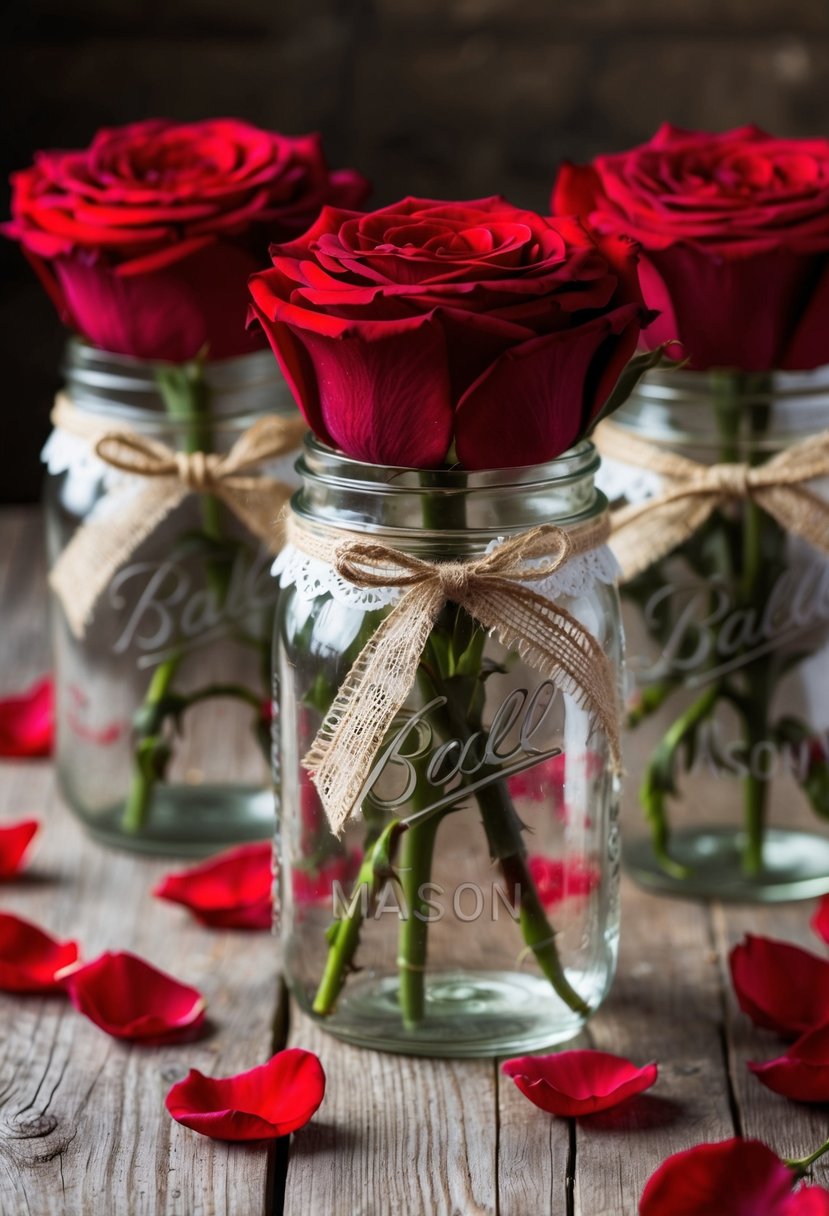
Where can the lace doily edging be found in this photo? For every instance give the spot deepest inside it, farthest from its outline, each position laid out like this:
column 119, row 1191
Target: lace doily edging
column 313, row 577
column 625, row 481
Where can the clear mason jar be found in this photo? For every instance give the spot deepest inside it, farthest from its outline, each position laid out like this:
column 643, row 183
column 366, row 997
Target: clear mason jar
column 163, row 705
column 727, row 653
column 490, row 925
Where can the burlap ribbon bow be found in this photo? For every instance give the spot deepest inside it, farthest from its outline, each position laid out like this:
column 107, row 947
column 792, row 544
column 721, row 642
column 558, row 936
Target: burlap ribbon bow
column 494, row 591
column 125, row 518
column 642, row 533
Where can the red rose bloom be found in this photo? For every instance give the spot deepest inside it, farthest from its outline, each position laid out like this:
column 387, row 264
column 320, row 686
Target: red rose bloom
column 734, row 230
column 146, row 238
column 428, row 323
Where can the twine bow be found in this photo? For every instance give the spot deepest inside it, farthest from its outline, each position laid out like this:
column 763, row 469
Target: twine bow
column 645, row 532
column 494, row 591
column 126, row 517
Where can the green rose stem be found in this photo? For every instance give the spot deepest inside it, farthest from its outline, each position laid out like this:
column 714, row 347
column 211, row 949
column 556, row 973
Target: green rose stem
column 451, row 666
column 344, row 934
column 152, row 752
column 186, row 398
column 659, row 780
column 801, row 1165
column 742, row 554
column 415, row 868
column 505, row 837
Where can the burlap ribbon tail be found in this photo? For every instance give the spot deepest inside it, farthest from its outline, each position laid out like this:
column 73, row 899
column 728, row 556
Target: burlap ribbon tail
column 126, row 517
column 642, row 533
column 494, row 590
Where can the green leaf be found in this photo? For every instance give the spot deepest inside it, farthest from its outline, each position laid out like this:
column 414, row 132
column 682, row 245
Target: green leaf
column 632, row 373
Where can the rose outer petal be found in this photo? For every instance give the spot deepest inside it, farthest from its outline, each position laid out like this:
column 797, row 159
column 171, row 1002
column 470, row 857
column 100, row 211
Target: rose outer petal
column 272, row 1100
column 779, row 986
column 230, row 891
column 820, row 920
column 130, row 999
column 573, row 1083
column 15, row 839
column 31, row 959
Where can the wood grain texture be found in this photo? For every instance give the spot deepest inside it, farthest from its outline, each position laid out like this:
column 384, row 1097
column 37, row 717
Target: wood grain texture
column 791, row 1128
column 83, row 1129
column 395, row 1136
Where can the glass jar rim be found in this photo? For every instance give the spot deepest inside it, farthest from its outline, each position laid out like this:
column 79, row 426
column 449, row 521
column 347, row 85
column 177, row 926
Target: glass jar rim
column 125, row 387
column 452, row 508
column 321, row 462
column 684, row 385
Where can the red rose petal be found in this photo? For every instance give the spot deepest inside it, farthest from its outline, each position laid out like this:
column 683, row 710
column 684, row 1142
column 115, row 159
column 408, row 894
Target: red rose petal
column 230, row 891
column 316, row 886
column 779, row 986
column 802, row 1073
column 272, row 1100
column 130, row 999
column 735, row 1177
column 30, row 959
column 573, row 1083
column 15, row 839
column 820, row 920
column 556, row 880
column 27, row 721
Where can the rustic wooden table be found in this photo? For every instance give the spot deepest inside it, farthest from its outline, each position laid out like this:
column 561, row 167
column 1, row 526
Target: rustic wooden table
column 83, row 1130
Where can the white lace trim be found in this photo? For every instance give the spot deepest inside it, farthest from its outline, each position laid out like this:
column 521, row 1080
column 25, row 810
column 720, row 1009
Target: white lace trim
column 94, row 489
column 627, row 482
column 313, row 577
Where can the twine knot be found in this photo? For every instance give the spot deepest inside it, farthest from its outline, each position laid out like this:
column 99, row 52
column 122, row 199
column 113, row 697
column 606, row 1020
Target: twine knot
column 645, row 532
column 105, row 542
column 493, row 589
column 195, row 470
column 730, row 480
column 454, row 578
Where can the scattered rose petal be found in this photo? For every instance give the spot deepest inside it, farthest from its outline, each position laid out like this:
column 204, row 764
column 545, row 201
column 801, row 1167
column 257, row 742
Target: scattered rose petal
column 272, row 1100
column 779, row 986
column 29, row 958
column 820, row 920
column 130, row 999
column 572, row 1083
column 557, row 880
column 233, row 890
column 802, row 1073
column 101, row 736
column 547, row 779
column 542, row 781
column 15, row 839
column 316, row 886
column 27, row 721
column 734, row 1178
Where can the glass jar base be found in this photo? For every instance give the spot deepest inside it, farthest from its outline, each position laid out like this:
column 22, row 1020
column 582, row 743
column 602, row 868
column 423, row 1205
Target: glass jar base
column 795, row 866
column 189, row 821
column 469, row 1014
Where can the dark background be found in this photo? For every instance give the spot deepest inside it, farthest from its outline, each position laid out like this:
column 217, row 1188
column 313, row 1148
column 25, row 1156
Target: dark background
column 438, row 97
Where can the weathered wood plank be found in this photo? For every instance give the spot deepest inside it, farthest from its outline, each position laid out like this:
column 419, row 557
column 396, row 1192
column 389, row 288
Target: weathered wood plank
column 791, row 1128
column 82, row 1123
column 665, row 1005
column 395, row 1136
